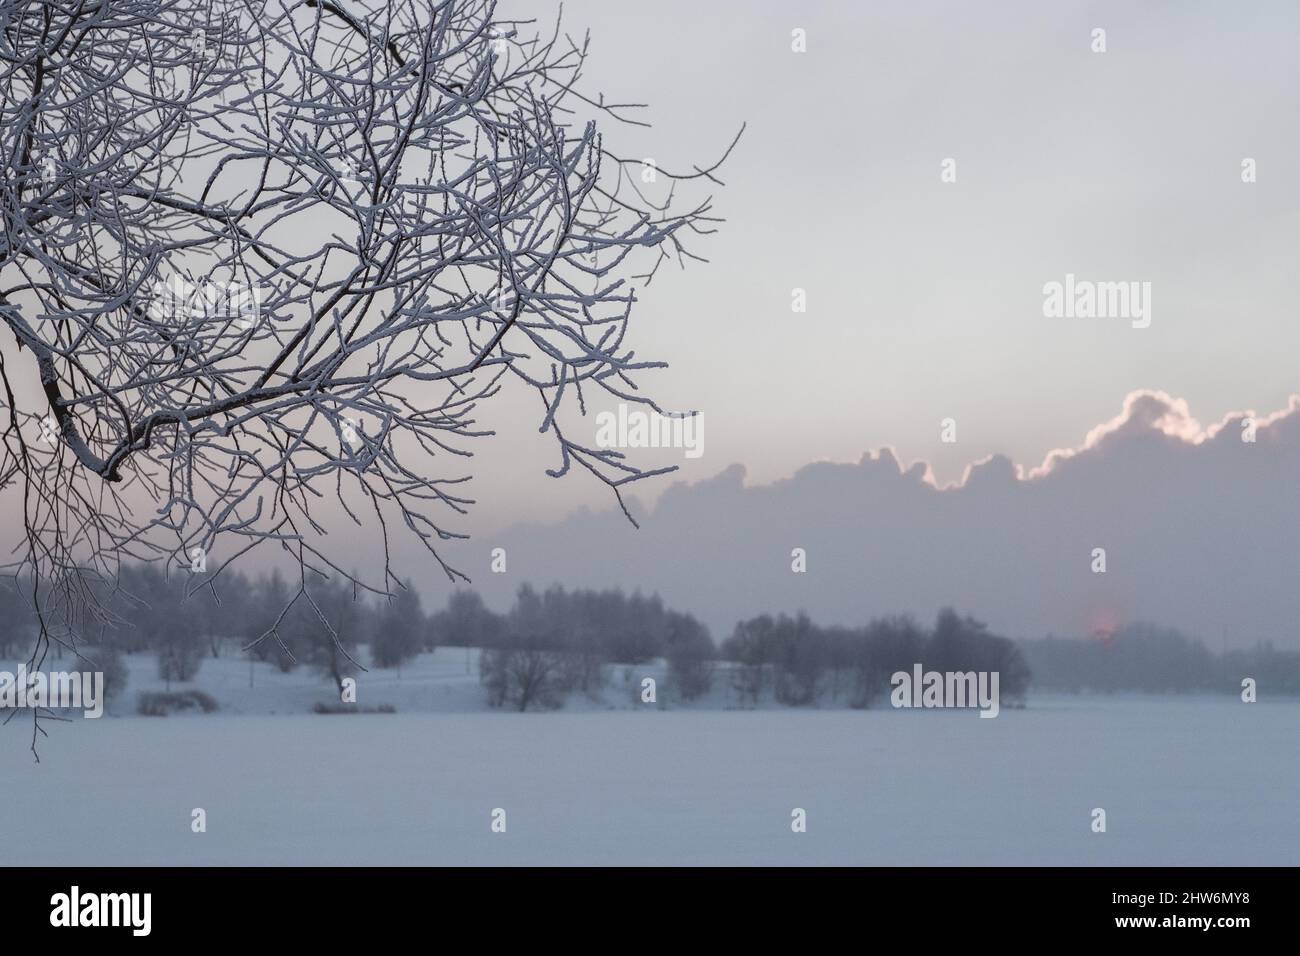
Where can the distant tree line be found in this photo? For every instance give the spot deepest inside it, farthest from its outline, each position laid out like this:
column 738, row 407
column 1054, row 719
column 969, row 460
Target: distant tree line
column 1149, row 659
column 802, row 664
column 557, row 642
column 314, row 623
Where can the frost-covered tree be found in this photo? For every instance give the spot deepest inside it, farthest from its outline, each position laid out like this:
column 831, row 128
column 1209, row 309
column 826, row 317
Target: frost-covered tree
column 465, row 622
column 690, row 653
column 400, row 629
column 260, row 255
column 327, row 622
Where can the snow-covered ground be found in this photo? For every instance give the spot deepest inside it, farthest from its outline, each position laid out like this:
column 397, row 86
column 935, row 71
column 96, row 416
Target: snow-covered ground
column 1191, row 780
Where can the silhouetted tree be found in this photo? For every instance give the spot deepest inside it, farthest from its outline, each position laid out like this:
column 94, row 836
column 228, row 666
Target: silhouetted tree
column 327, row 622
column 464, row 622
column 690, row 656
column 751, row 647
column 400, row 630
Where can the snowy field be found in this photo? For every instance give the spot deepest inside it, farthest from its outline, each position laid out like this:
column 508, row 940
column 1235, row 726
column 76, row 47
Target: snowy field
column 1203, row 780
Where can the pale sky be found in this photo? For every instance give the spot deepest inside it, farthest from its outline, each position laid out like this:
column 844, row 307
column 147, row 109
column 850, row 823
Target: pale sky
column 925, row 298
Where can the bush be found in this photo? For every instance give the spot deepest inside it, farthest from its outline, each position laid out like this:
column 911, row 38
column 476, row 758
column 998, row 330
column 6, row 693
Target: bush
column 160, row 704
column 320, row 708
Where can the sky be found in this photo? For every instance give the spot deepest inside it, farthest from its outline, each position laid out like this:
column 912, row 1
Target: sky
column 925, row 337
column 925, row 298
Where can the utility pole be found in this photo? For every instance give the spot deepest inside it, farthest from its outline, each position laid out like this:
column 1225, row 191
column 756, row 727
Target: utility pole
column 1223, row 659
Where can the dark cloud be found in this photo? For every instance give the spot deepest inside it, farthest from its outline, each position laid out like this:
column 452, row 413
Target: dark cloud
column 1201, row 531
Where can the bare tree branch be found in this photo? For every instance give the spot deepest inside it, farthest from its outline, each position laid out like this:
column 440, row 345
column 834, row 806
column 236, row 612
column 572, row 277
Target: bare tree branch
column 257, row 255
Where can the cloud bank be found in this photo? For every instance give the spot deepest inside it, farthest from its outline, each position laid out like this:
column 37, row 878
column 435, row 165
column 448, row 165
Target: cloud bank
column 1201, row 531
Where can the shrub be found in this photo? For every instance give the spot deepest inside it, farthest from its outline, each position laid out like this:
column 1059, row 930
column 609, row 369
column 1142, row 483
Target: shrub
column 320, row 708
column 160, row 704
